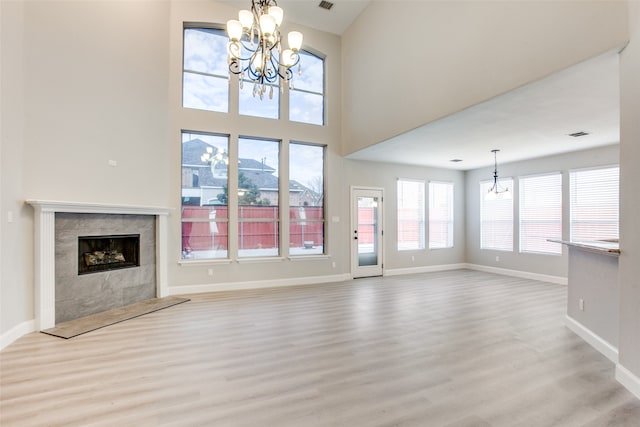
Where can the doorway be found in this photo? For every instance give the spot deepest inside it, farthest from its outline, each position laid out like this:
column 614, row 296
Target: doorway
column 366, row 232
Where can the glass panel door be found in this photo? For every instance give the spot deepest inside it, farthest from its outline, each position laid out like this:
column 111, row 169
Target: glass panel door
column 366, row 253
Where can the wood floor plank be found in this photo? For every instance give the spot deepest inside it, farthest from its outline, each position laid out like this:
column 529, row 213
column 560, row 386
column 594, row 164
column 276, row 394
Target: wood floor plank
column 456, row 349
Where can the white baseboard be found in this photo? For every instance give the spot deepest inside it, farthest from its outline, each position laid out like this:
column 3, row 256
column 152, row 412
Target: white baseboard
column 16, row 332
column 517, row 273
column 628, row 379
column 609, row 351
column 257, row 284
column 424, row 269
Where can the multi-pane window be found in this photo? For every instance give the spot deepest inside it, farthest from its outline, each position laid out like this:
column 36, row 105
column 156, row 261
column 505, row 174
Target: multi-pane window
column 440, row 215
column 306, row 199
column 410, row 212
column 594, row 204
column 306, row 95
column 540, row 213
column 496, row 216
column 205, row 75
column 258, row 197
column 205, row 217
column 255, row 166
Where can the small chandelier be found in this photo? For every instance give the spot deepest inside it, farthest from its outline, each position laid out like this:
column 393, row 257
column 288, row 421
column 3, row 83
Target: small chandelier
column 496, row 191
column 255, row 47
column 215, row 161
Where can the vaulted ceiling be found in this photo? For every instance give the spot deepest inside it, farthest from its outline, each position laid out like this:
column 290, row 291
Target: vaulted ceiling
column 528, row 122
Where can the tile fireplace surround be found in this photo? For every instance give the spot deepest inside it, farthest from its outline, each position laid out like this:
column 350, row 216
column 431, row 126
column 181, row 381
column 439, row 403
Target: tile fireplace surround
column 44, row 245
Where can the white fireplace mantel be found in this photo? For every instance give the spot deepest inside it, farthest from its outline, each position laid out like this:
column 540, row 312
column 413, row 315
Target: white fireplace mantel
column 44, row 245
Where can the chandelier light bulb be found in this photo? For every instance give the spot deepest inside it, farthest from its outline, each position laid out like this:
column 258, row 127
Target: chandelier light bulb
column 234, row 30
column 295, row 40
column 246, row 19
column 277, row 14
column 288, row 58
column 267, row 25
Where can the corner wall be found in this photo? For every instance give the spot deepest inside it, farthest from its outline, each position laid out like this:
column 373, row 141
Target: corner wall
column 16, row 224
column 629, row 341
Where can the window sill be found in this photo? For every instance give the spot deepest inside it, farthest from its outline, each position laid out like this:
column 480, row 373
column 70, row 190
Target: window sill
column 309, row 257
column 199, row 262
column 259, row 260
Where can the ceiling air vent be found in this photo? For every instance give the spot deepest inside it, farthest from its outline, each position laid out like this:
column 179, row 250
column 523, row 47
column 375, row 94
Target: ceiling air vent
column 325, row 4
column 578, row 134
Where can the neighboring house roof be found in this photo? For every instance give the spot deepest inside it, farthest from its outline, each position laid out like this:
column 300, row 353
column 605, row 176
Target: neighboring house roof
column 260, row 174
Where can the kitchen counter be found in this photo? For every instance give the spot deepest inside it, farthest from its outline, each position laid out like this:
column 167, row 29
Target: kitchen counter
column 605, row 247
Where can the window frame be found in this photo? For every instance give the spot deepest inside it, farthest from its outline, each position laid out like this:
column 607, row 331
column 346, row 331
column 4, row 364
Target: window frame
column 211, row 27
column 451, row 214
column 483, row 191
column 277, row 219
column 572, row 207
column 215, row 220
column 292, row 88
column 553, row 249
column 323, row 220
column 421, row 220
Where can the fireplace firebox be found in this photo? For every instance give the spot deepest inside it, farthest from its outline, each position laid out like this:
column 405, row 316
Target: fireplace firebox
column 104, row 253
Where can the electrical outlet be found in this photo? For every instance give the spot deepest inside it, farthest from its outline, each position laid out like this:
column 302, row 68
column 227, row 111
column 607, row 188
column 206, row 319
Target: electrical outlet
column 210, row 272
column 581, row 304
column 333, row 264
column 413, row 258
column 497, row 258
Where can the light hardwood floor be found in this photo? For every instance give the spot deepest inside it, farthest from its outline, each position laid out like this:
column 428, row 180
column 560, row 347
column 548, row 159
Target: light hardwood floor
column 457, row 348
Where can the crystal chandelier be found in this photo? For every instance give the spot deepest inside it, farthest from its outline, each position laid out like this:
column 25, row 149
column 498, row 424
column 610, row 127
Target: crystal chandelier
column 496, row 191
column 255, row 50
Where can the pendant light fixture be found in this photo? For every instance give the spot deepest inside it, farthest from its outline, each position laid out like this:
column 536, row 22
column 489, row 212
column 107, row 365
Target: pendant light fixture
column 497, row 191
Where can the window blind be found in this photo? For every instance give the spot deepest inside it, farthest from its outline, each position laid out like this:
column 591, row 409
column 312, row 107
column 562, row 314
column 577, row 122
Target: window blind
column 540, row 213
column 594, row 204
column 496, row 217
column 410, row 211
column 440, row 215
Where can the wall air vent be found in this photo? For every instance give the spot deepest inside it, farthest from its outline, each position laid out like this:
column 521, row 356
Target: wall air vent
column 578, row 134
column 325, row 4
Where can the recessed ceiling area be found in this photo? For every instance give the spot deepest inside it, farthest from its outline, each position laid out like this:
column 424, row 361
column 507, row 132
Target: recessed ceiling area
column 532, row 121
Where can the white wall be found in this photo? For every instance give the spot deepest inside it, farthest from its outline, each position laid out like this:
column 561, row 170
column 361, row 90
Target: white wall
column 429, row 59
column 552, row 265
column 16, row 271
column 629, row 342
